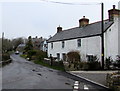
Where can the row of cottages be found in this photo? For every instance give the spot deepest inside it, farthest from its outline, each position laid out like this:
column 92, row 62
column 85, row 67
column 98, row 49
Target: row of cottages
column 86, row 38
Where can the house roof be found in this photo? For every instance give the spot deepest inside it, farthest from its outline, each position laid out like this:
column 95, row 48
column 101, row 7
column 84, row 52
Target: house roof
column 21, row 45
column 93, row 29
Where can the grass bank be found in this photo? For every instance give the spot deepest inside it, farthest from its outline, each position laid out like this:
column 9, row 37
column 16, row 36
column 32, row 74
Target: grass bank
column 61, row 68
column 49, row 66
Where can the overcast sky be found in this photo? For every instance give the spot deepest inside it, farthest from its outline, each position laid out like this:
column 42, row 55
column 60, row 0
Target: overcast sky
column 23, row 18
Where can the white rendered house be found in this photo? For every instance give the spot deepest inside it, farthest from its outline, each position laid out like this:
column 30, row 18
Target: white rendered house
column 86, row 38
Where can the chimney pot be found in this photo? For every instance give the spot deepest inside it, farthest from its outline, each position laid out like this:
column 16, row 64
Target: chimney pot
column 113, row 6
column 59, row 29
column 83, row 22
column 113, row 13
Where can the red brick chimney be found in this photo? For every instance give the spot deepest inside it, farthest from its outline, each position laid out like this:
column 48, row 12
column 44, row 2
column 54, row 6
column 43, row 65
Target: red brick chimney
column 83, row 22
column 59, row 29
column 113, row 13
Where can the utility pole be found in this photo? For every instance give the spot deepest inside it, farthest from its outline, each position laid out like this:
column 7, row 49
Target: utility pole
column 2, row 40
column 102, row 34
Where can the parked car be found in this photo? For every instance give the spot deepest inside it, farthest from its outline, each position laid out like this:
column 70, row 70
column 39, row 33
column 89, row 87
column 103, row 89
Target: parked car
column 17, row 52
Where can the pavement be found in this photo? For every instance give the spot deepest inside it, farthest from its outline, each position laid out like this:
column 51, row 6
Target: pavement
column 98, row 77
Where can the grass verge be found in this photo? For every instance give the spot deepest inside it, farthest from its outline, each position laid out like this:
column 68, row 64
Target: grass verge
column 49, row 66
column 61, row 68
column 24, row 56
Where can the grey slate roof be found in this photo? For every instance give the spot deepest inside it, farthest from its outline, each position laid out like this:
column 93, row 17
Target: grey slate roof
column 92, row 29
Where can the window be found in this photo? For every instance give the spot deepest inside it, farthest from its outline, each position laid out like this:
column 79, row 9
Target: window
column 90, row 58
column 79, row 42
column 63, row 44
column 64, row 56
column 58, row 56
column 51, row 45
column 109, row 29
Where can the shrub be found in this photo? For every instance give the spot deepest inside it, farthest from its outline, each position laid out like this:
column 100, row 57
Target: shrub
column 58, row 63
column 117, row 64
column 73, row 58
column 108, row 62
column 31, row 53
column 40, row 55
column 90, row 65
column 85, row 66
column 36, row 54
column 5, row 56
column 94, row 65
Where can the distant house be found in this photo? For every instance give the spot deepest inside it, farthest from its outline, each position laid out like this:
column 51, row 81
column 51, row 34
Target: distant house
column 44, row 45
column 20, row 47
column 86, row 38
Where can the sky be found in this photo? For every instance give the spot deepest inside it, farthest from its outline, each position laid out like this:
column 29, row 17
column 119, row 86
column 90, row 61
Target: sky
column 23, row 18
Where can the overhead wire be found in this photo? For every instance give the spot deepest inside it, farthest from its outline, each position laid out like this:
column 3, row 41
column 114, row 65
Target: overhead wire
column 66, row 3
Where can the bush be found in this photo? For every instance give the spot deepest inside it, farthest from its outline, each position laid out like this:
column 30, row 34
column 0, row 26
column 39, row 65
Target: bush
column 73, row 59
column 36, row 55
column 108, row 62
column 48, row 65
column 58, row 63
column 40, row 55
column 73, row 56
column 90, row 65
column 117, row 63
column 30, row 53
column 5, row 56
column 94, row 65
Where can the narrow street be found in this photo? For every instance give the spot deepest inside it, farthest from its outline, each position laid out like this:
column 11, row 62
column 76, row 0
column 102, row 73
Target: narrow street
column 23, row 74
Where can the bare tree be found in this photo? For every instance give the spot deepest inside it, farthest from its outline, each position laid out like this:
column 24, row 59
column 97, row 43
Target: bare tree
column 16, row 42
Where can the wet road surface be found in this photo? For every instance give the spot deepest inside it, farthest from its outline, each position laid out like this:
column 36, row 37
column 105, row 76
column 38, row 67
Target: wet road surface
column 23, row 74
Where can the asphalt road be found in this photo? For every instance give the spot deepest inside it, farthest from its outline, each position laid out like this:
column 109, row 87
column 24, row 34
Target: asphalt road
column 23, row 74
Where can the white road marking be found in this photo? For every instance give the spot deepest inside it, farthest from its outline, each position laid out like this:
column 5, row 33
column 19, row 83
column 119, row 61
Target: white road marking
column 76, row 86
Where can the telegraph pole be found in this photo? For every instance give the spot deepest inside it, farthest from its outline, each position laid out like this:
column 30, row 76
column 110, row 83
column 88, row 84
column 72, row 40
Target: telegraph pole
column 2, row 40
column 102, row 34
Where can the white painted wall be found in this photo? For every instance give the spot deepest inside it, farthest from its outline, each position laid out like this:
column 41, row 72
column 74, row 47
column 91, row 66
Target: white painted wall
column 119, row 35
column 90, row 45
column 111, row 40
column 119, row 30
column 44, row 48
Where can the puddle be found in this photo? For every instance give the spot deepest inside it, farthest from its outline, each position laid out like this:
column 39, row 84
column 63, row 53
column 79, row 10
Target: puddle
column 67, row 83
column 33, row 70
column 51, row 70
column 39, row 74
